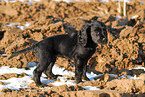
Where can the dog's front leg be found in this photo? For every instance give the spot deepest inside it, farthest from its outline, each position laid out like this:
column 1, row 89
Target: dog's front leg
column 78, row 70
column 84, row 76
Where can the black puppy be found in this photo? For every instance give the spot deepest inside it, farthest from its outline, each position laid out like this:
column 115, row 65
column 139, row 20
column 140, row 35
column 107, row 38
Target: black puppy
column 78, row 46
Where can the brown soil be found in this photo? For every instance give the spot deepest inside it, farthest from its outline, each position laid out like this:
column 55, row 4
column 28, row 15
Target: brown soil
column 125, row 49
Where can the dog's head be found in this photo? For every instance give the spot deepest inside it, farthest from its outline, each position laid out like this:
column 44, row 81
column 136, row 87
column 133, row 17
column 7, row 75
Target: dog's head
column 99, row 32
column 96, row 31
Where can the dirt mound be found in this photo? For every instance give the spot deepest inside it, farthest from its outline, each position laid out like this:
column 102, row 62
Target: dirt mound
column 125, row 49
column 10, row 75
column 127, row 85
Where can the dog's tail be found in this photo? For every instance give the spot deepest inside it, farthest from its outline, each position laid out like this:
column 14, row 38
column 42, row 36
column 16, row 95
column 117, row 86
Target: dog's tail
column 24, row 50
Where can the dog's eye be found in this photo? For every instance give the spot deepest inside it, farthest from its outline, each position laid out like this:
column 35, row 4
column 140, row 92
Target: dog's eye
column 97, row 32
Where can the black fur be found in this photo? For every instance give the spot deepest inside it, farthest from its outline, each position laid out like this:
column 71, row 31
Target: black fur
column 78, row 46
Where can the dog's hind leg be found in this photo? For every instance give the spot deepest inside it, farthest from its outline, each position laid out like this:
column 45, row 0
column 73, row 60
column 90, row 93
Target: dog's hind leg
column 44, row 61
column 36, row 76
column 48, row 71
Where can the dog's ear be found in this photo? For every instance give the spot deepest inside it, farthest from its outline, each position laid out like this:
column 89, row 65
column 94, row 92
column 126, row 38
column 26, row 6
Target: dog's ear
column 82, row 34
column 69, row 29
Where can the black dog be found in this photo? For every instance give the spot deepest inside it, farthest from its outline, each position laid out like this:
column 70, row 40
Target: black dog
column 78, row 46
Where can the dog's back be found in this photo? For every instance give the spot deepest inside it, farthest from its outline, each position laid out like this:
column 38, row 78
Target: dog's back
column 61, row 45
column 57, row 44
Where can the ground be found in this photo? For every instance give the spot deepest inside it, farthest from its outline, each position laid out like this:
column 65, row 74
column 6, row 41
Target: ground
column 24, row 23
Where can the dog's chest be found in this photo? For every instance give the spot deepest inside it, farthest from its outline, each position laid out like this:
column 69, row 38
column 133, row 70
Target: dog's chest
column 85, row 52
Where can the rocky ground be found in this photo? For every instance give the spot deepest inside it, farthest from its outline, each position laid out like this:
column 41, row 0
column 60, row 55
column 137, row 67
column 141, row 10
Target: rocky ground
column 36, row 21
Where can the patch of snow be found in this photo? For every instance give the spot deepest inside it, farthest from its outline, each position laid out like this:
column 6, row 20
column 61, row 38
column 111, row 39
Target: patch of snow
column 127, row 1
column 4, row 55
column 91, row 76
column 13, row 1
column 46, row 81
column 2, row 86
column 91, row 88
column 135, row 16
column 56, row 70
column 26, row 25
column 114, row 75
column 139, row 67
column 64, row 82
column 17, row 83
column 135, row 77
column 7, row 69
column 12, row 24
column 20, row 27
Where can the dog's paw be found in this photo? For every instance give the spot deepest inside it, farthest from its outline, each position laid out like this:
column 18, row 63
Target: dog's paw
column 52, row 76
column 38, row 84
column 86, row 78
column 41, row 85
column 55, row 76
column 78, row 81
